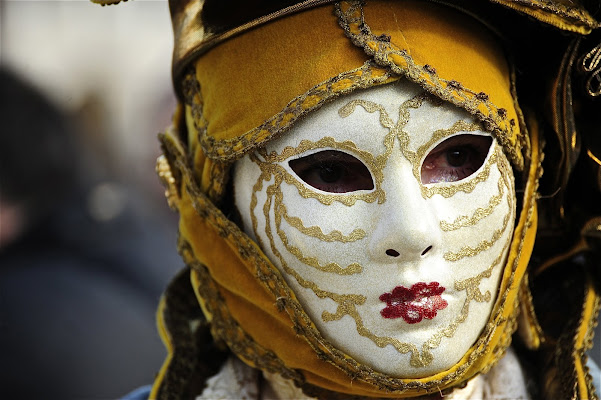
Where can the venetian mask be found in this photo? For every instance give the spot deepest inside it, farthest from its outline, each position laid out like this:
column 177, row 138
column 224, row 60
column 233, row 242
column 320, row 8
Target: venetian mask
column 389, row 213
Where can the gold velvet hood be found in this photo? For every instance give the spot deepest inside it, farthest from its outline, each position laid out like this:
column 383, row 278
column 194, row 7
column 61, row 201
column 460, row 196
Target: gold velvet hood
column 245, row 74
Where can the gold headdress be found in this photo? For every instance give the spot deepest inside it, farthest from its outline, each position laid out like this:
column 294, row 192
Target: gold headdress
column 246, row 74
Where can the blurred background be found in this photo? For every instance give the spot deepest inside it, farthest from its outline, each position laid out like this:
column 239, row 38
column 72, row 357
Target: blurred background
column 87, row 242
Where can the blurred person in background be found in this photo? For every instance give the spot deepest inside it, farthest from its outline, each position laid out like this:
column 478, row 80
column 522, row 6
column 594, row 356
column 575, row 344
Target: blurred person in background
column 80, row 271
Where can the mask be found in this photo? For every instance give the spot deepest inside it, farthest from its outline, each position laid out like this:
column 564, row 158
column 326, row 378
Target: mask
column 389, row 213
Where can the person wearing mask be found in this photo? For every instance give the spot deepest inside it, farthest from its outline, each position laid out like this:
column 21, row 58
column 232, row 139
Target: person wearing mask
column 383, row 199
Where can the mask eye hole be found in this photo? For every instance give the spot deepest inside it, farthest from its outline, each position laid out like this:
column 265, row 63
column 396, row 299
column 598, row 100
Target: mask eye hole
column 333, row 171
column 455, row 159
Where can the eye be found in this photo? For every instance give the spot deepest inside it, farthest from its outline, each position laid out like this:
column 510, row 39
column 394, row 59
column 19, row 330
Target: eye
column 333, row 171
column 455, row 159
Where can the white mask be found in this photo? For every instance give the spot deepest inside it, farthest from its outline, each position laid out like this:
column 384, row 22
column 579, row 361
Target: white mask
column 393, row 246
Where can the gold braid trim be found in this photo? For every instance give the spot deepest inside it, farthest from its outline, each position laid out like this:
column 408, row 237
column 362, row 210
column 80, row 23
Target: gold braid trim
column 192, row 358
column 225, row 328
column 388, row 55
column 543, row 10
column 219, row 171
column 368, row 75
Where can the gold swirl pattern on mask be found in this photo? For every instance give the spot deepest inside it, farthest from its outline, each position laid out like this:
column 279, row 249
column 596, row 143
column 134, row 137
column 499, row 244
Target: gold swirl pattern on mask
column 473, row 293
column 468, row 251
column 316, row 232
column 417, row 360
column 385, row 120
column 354, row 299
column 416, row 157
column 326, row 199
column 308, row 145
column 279, row 211
column 471, row 285
column 483, row 212
column 506, row 173
column 258, row 186
column 405, row 115
column 480, row 213
column 347, row 303
column 425, row 357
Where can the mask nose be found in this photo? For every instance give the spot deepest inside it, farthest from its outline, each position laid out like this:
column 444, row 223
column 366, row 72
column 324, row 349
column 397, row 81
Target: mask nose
column 394, row 253
column 405, row 226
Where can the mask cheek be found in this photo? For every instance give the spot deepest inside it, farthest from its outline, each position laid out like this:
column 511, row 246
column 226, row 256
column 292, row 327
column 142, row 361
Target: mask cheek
column 477, row 227
column 316, row 238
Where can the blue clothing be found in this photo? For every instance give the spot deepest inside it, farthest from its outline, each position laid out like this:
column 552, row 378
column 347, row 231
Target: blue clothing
column 141, row 393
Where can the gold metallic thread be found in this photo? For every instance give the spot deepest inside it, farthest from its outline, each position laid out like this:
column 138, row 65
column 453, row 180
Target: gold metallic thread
column 468, row 251
column 464, row 221
column 316, row 232
column 279, row 210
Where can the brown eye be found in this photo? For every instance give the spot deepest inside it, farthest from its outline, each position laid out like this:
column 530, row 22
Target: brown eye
column 333, row 171
column 455, row 159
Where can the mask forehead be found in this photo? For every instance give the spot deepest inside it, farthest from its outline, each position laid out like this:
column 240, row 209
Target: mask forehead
column 365, row 117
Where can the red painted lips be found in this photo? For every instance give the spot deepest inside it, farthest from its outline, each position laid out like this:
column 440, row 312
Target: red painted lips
column 421, row 301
